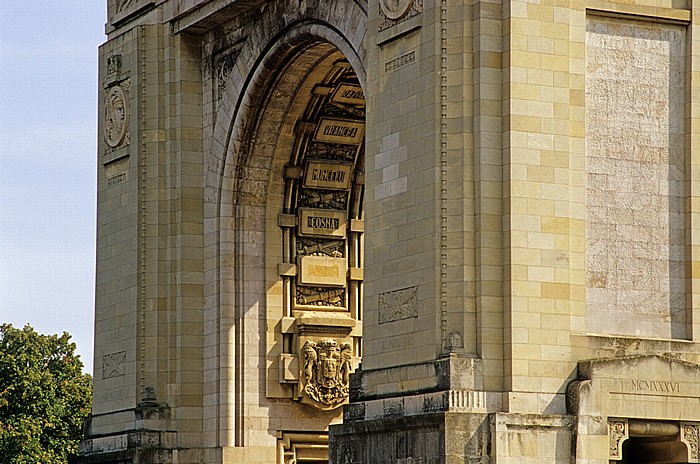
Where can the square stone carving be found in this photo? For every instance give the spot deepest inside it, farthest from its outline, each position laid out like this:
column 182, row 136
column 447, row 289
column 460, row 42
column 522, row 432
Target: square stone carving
column 398, row 304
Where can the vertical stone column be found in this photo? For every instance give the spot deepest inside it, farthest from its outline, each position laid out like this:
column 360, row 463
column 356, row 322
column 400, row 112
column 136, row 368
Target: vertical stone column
column 149, row 285
column 543, row 141
column 433, row 216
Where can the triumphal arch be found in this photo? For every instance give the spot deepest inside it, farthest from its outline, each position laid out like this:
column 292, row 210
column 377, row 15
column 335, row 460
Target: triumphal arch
column 398, row 231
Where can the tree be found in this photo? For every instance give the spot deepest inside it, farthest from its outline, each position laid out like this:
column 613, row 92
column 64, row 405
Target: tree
column 44, row 397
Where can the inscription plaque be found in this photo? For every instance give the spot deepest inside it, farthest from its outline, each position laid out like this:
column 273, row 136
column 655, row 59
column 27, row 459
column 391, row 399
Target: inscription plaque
column 322, row 270
column 333, row 176
column 349, row 95
column 340, row 131
column 659, row 386
column 323, row 222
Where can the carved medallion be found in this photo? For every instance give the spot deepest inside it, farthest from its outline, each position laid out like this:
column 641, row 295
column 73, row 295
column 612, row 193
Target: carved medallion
column 325, row 373
column 116, row 116
column 395, row 9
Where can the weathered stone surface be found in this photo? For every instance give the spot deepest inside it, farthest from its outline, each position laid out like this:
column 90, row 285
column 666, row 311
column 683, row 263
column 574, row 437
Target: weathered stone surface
column 491, row 205
column 636, row 174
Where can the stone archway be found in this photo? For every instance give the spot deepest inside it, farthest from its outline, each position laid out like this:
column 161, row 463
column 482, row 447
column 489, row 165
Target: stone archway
column 275, row 119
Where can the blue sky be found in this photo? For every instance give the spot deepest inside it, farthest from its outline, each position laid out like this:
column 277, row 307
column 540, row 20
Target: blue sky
column 48, row 139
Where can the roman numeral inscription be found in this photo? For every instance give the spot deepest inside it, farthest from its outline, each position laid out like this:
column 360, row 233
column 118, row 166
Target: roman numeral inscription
column 654, row 386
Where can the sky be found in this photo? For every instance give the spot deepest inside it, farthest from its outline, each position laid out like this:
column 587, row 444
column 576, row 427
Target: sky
column 48, row 159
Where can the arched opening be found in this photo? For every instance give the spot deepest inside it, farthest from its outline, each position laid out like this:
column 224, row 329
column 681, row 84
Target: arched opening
column 637, row 441
column 291, row 252
column 653, row 450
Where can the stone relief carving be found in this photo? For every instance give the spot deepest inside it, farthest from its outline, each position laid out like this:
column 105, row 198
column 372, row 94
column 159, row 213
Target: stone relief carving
column 325, row 372
column 113, row 365
column 617, row 432
column 323, row 199
column 114, row 65
column 311, row 247
column 690, row 434
column 224, row 64
column 340, row 109
column 320, row 296
column 148, row 395
column 331, row 151
column 395, row 9
column 454, row 342
column 398, row 304
column 123, row 5
column 116, row 114
column 393, row 12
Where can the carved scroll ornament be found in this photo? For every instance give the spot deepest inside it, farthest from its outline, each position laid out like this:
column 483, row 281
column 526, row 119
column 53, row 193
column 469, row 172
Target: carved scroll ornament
column 617, row 431
column 690, row 433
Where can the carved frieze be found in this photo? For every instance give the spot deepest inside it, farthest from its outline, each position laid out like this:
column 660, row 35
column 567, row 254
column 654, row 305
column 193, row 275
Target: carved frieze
column 325, row 373
column 320, row 296
column 331, row 151
column 323, row 199
column 316, row 247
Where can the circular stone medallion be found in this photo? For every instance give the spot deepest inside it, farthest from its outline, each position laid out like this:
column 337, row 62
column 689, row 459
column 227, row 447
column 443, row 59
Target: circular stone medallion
column 116, row 116
column 395, row 9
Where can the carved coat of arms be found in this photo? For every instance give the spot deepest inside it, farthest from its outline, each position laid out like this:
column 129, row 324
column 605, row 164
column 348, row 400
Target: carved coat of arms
column 326, row 372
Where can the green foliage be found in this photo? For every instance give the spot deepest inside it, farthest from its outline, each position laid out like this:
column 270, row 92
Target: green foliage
column 44, row 397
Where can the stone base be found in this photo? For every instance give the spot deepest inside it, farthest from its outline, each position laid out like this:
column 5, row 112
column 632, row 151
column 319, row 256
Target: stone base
column 454, row 437
column 141, row 447
column 444, row 418
column 425, row 439
column 149, row 438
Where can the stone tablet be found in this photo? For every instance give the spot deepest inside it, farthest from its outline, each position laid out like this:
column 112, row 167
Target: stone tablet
column 349, row 95
column 322, row 270
column 333, row 176
column 322, row 222
column 340, row 131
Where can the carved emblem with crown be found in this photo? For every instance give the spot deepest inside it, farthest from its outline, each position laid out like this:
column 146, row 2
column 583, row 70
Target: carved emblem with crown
column 325, row 373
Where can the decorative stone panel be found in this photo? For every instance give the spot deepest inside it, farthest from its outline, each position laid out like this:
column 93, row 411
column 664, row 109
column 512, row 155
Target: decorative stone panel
column 635, row 187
